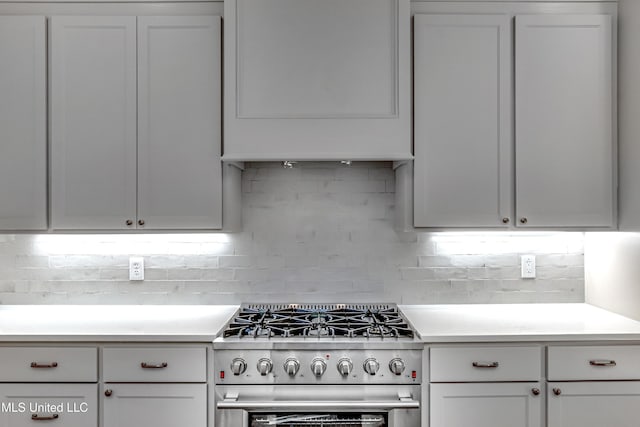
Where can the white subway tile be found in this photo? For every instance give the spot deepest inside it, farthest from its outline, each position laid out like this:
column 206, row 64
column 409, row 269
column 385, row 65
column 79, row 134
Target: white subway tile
column 320, row 232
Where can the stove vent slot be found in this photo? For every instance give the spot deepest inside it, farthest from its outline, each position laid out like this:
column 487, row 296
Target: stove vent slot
column 320, row 307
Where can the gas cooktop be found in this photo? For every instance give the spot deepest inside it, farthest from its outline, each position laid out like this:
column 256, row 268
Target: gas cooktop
column 319, row 321
column 318, row 344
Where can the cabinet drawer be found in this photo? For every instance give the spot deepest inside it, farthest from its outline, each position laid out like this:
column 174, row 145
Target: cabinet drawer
column 155, row 364
column 62, row 405
column 470, row 364
column 48, row 364
column 594, row 363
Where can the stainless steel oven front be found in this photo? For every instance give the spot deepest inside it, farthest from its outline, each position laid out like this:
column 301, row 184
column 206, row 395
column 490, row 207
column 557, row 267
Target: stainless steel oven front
column 317, row 365
column 318, row 405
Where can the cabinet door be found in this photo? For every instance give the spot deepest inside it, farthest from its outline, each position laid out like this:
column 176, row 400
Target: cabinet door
column 486, row 405
column 179, row 128
column 158, row 405
column 23, row 143
column 463, row 132
column 93, row 122
column 317, row 80
column 564, row 121
column 64, row 405
column 593, row 404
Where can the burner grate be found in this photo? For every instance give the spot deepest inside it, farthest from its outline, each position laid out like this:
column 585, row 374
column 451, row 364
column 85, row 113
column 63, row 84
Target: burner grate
column 318, row 321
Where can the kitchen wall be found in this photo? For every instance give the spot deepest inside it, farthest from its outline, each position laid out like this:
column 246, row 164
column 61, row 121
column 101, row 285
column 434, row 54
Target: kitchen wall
column 320, row 232
column 613, row 272
column 612, row 259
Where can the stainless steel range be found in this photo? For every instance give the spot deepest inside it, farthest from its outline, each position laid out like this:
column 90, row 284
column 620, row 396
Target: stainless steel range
column 318, row 365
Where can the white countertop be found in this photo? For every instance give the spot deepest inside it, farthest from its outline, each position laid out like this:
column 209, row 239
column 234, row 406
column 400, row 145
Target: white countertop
column 201, row 323
column 519, row 322
column 161, row 323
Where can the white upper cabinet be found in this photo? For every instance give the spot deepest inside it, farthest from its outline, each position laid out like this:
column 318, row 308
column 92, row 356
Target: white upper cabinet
column 93, row 122
column 542, row 157
column 23, row 123
column 564, row 121
column 136, row 122
column 463, row 116
column 317, row 79
column 179, row 122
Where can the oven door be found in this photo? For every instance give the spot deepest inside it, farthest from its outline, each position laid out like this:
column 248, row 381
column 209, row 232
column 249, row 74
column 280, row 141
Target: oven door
column 318, row 405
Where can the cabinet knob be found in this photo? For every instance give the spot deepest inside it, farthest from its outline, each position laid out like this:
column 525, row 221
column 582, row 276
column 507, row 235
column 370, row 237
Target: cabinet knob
column 523, row 220
column 129, row 222
column 505, row 220
column 535, row 391
column 141, row 222
column 108, row 392
column 557, row 391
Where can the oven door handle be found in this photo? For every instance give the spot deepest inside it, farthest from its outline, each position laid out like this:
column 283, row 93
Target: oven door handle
column 324, row 404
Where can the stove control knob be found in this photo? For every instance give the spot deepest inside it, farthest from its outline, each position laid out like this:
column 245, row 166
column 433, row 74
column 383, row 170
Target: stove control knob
column 291, row 366
column 371, row 366
column 345, row 366
column 264, row 366
column 238, row 366
column 318, row 366
column 396, row 366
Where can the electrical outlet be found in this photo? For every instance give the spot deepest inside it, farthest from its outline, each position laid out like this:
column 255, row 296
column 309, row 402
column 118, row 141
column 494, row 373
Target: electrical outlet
column 528, row 266
column 136, row 268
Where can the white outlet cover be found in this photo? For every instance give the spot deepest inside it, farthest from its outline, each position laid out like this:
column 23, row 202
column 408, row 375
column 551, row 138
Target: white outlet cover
column 136, row 268
column 528, row 266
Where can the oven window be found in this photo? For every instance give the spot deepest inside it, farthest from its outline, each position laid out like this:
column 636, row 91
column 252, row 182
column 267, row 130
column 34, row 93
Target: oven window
column 319, row 420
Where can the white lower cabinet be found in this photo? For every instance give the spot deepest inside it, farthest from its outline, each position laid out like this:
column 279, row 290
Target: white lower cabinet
column 593, row 386
column 63, row 405
column 486, row 386
column 487, row 405
column 158, row 405
column 593, row 404
column 154, row 385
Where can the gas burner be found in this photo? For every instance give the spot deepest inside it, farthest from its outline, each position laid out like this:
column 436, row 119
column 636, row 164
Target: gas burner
column 319, row 321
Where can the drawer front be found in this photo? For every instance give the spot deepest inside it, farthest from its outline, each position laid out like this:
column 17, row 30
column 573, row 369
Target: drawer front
column 155, row 364
column 471, row 364
column 594, row 363
column 48, row 364
column 64, row 405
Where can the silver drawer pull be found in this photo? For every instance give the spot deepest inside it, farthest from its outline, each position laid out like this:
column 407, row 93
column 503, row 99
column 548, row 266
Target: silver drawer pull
column 602, row 362
column 44, row 365
column 485, row 365
column 146, row 365
column 36, row 417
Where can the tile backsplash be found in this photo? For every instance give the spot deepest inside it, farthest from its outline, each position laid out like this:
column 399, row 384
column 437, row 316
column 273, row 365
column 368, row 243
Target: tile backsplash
column 320, row 232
